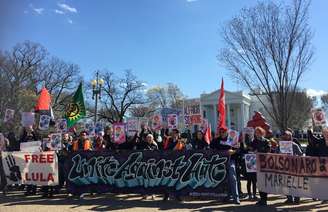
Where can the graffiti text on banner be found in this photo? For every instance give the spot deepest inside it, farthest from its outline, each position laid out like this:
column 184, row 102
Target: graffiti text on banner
column 148, row 172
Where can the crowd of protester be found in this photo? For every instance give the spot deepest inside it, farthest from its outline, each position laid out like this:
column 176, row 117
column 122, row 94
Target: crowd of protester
column 174, row 140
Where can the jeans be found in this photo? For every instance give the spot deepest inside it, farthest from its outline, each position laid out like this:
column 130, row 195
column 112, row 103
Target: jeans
column 232, row 179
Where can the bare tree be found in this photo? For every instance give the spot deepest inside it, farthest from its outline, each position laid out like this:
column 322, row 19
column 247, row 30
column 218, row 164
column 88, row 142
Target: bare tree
column 119, row 95
column 60, row 78
column 175, row 96
column 301, row 110
column 140, row 111
column 25, row 69
column 169, row 95
column 18, row 69
column 158, row 97
column 269, row 47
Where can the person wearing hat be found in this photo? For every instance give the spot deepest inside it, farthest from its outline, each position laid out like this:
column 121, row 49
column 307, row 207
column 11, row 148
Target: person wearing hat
column 218, row 144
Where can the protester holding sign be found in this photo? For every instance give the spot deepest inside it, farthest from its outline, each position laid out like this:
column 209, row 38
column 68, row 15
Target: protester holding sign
column 47, row 190
column 173, row 143
column 13, row 142
column 250, row 173
column 261, row 144
column 318, row 146
column 108, row 139
column 67, row 142
column 219, row 143
column 151, row 146
column 287, row 136
column 173, row 140
column 29, row 134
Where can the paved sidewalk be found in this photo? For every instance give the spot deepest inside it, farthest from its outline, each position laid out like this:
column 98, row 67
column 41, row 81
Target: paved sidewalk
column 15, row 201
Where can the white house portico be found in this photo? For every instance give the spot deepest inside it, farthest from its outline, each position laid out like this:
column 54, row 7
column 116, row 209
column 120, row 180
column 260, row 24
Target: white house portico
column 238, row 105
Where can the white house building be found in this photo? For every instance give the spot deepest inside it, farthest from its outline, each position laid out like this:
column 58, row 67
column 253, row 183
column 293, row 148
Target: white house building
column 240, row 108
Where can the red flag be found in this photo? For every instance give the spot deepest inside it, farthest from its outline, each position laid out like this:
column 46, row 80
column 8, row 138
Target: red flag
column 221, row 109
column 43, row 103
column 208, row 134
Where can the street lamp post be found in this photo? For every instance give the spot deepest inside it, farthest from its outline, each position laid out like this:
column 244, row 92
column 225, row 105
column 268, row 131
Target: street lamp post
column 96, row 92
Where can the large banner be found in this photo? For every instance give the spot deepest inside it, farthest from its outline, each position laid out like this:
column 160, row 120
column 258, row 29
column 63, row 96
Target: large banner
column 298, row 176
column 36, row 168
column 187, row 173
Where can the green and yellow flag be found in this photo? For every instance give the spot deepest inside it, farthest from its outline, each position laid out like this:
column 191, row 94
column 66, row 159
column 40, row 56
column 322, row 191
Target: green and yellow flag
column 76, row 109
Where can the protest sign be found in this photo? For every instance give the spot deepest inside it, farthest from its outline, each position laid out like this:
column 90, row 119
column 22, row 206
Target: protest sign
column 32, row 146
column 297, row 176
column 233, row 139
column 319, row 117
column 90, row 128
column 44, row 122
column 249, row 133
column 250, row 162
column 32, row 168
column 61, row 125
column 191, row 107
column 132, row 126
column 156, row 122
column 172, row 121
column 55, row 141
column 187, row 121
column 119, row 133
column 46, row 143
column 148, row 172
column 166, row 111
column 27, row 119
column 9, row 115
column 286, row 147
column 192, row 110
column 143, row 122
column 196, row 119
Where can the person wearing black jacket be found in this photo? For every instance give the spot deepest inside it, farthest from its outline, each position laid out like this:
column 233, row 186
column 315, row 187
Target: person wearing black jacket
column 108, row 139
column 288, row 136
column 318, row 146
column 173, row 141
column 261, row 144
column 13, row 142
column 232, row 176
column 250, row 176
column 199, row 142
column 29, row 135
column 151, row 145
